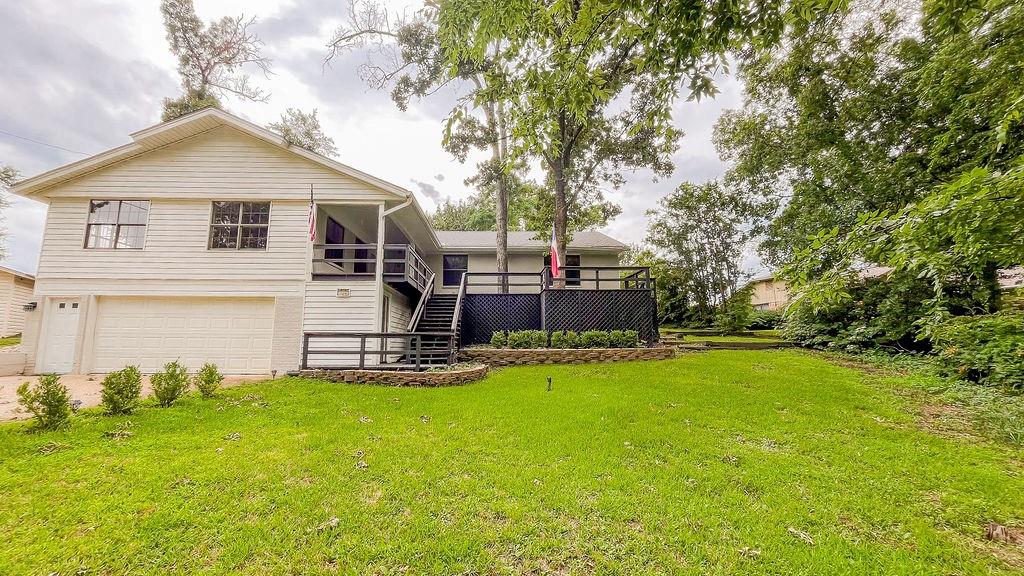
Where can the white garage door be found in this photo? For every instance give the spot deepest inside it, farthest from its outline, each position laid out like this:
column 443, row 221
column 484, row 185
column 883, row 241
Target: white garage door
column 236, row 334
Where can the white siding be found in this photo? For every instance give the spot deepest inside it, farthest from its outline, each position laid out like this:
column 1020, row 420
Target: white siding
column 176, row 246
column 21, row 295
column 15, row 292
column 221, row 163
column 325, row 311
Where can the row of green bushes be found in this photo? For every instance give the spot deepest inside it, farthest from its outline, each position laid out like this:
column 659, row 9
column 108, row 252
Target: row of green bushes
column 566, row 339
column 50, row 404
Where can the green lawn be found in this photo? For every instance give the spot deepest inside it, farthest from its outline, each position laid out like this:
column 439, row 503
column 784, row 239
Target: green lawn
column 729, row 462
column 10, row 340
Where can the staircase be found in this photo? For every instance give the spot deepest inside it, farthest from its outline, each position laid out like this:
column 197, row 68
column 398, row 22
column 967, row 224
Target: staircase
column 437, row 317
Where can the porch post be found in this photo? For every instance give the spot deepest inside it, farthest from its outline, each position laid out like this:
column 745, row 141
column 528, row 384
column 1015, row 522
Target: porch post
column 378, row 276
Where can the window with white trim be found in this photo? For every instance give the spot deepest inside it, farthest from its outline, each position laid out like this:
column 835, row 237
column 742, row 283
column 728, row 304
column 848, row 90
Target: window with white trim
column 239, row 225
column 117, row 224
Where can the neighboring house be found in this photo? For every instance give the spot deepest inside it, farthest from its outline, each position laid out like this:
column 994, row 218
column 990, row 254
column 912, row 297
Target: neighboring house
column 15, row 292
column 1011, row 278
column 192, row 242
column 769, row 293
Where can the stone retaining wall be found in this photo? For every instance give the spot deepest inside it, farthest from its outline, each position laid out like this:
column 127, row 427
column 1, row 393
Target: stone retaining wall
column 515, row 356
column 398, row 377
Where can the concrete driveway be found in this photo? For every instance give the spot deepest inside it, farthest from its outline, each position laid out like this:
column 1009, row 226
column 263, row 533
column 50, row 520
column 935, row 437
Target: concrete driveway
column 84, row 387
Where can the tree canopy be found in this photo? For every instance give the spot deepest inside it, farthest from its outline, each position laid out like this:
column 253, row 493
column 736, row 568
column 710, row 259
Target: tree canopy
column 303, row 129
column 212, row 58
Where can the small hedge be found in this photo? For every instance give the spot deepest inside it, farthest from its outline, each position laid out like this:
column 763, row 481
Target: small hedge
column 566, row 339
column 528, row 339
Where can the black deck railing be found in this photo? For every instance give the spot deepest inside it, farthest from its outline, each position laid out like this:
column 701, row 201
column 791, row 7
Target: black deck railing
column 584, row 298
column 377, row 350
column 572, row 278
column 359, row 262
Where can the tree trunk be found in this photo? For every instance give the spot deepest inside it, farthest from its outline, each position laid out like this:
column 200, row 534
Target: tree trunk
column 501, row 225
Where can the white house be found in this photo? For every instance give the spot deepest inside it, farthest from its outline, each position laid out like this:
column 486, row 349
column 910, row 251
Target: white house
column 15, row 292
column 192, row 242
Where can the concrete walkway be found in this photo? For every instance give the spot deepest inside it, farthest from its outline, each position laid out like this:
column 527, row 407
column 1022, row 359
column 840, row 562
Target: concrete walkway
column 84, row 387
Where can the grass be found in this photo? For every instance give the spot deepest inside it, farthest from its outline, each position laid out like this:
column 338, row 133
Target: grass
column 702, row 338
column 10, row 341
column 732, row 462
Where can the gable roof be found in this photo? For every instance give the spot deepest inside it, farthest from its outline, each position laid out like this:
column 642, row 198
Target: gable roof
column 18, row 273
column 189, row 125
column 519, row 240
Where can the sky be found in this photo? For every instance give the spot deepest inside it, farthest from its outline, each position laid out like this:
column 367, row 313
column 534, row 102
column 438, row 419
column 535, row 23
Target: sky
column 81, row 76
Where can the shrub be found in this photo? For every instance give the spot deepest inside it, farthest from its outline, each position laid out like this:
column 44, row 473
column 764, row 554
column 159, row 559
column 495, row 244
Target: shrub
column 499, row 339
column 48, row 401
column 121, row 390
column 736, row 311
column 208, row 380
column 765, row 320
column 528, row 339
column 624, row 339
column 594, row 339
column 565, row 339
column 988, row 349
column 170, row 384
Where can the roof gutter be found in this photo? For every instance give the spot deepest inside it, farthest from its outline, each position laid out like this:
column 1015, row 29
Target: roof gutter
column 407, row 202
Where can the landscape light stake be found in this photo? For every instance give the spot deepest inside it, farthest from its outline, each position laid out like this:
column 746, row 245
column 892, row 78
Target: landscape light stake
column 549, row 383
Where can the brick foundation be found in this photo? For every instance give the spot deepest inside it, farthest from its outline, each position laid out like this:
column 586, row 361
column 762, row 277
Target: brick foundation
column 399, row 378
column 516, row 357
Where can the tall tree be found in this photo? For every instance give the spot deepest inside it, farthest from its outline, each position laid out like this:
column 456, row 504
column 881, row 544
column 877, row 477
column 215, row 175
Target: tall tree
column 414, row 67
column 699, row 229
column 595, row 80
column 211, row 58
column 303, row 129
column 888, row 134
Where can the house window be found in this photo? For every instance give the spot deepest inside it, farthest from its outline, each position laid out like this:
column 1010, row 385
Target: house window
column 117, row 224
column 240, row 225
column 572, row 277
column 455, row 265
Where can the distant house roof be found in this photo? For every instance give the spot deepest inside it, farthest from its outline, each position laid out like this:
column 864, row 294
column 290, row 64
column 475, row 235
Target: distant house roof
column 523, row 241
column 762, row 277
column 18, row 273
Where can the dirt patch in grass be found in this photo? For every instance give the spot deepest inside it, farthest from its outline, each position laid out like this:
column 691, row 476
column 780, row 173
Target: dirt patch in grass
column 946, row 420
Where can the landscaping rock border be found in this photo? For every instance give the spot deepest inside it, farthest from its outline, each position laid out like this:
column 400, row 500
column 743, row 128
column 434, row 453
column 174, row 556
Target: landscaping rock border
column 519, row 357
column 400, row 378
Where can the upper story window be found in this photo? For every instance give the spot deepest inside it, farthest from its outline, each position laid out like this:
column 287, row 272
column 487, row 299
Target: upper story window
column 117, row 224
column 240, row 225
column 455, row 265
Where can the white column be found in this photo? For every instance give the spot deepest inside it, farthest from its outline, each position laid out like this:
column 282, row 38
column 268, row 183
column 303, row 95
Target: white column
column 379, row 276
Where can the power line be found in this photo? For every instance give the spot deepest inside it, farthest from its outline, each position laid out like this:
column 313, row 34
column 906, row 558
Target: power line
column 44, row 143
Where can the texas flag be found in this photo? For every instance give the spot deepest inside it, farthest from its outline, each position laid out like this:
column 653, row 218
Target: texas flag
column 556, row 258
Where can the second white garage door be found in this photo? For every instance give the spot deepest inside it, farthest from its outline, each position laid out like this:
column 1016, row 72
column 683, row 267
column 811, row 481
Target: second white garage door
column 236, row 334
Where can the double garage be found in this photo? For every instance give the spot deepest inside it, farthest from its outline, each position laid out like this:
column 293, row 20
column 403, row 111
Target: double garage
column 237, row 334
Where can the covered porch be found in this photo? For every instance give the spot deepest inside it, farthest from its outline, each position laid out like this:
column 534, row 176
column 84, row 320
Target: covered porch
column 363, row 241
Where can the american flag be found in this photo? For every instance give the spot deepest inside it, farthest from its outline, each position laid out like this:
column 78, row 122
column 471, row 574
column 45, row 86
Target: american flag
column 312, row 216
